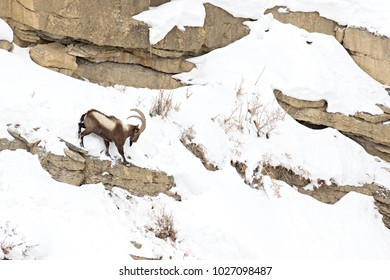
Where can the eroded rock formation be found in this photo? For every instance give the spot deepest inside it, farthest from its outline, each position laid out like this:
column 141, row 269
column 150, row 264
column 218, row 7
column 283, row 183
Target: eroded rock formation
column 368, row 130
column 77, row 169
column 5, row 45
column 368, row 50
column 326, row 192
column 331, row 193
column 101, row 42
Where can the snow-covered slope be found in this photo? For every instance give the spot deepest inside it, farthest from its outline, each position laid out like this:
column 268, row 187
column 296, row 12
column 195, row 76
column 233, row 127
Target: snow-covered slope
column 220, row 216
column 371, row 15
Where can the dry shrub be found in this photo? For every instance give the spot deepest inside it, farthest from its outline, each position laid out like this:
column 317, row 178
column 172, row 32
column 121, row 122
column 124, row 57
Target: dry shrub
column 163, row 104
column 251, row 114
column 164, row 227
column 239, row 89
column 255, row 117
column 12, row 244
column 235, row 120
column 264, row 121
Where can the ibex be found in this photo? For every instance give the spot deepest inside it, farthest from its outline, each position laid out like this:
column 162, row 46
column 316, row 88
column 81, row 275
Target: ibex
column 111, row 129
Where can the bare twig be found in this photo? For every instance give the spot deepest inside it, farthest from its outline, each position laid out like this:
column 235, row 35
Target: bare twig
column 163, row 104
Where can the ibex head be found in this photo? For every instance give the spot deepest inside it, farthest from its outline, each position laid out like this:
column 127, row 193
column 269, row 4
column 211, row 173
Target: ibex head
column 137, row 130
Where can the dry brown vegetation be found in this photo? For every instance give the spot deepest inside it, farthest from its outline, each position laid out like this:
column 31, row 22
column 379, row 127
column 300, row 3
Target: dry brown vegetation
column 251, row 114
column 163, row 104
column 163, row 227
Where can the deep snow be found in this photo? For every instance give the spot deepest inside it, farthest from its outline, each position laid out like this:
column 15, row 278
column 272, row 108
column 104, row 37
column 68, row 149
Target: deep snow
column 220, row 216
column 371, row 15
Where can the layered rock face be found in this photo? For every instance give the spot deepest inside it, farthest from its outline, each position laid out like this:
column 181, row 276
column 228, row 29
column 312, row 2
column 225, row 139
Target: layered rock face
column 332, row 193
column 369, row 51
column 5, row 45
column 101, row 42
column 76, row 169
column 368, row 130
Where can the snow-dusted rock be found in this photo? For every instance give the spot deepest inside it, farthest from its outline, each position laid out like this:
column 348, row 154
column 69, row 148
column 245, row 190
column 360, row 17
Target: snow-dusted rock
column 382, row 200
column 366, row 129
column 77, row 169
column 5, row 45
column 54, row 56
column 121, row 51
column 370, row 51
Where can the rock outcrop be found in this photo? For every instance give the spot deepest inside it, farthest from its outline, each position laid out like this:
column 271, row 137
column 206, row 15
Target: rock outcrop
column 326, row 192
column 154, row 3
column 102, row 42
column 382, row 201
column 5, row 45
column 76, row 169
column 368, row 130
column 332, row 193
column 368, row 50
column 54, row 56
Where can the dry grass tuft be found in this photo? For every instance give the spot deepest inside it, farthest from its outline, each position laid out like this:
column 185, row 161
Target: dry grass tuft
column 263, row 120
column 164, row 227
column 163, row 104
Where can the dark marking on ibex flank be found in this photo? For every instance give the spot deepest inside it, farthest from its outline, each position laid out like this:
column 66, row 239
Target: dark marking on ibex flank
column 111, row 129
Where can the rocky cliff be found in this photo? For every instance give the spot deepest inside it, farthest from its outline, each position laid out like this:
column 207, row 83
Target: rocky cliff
column 100, row 41
column 76, row 168
column 370, row 131
column 331, row 193
column 369, row 51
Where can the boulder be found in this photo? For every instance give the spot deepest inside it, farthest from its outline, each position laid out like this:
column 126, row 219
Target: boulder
column 77, row 169
column 54, row 56
column 5, row 45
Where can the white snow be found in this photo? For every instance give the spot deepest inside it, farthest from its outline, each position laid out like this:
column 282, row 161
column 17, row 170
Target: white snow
column 174, row 13
column 302, row 71
column 219, row 217
column 371, row 15
column 62, row 221
column 5, row 31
